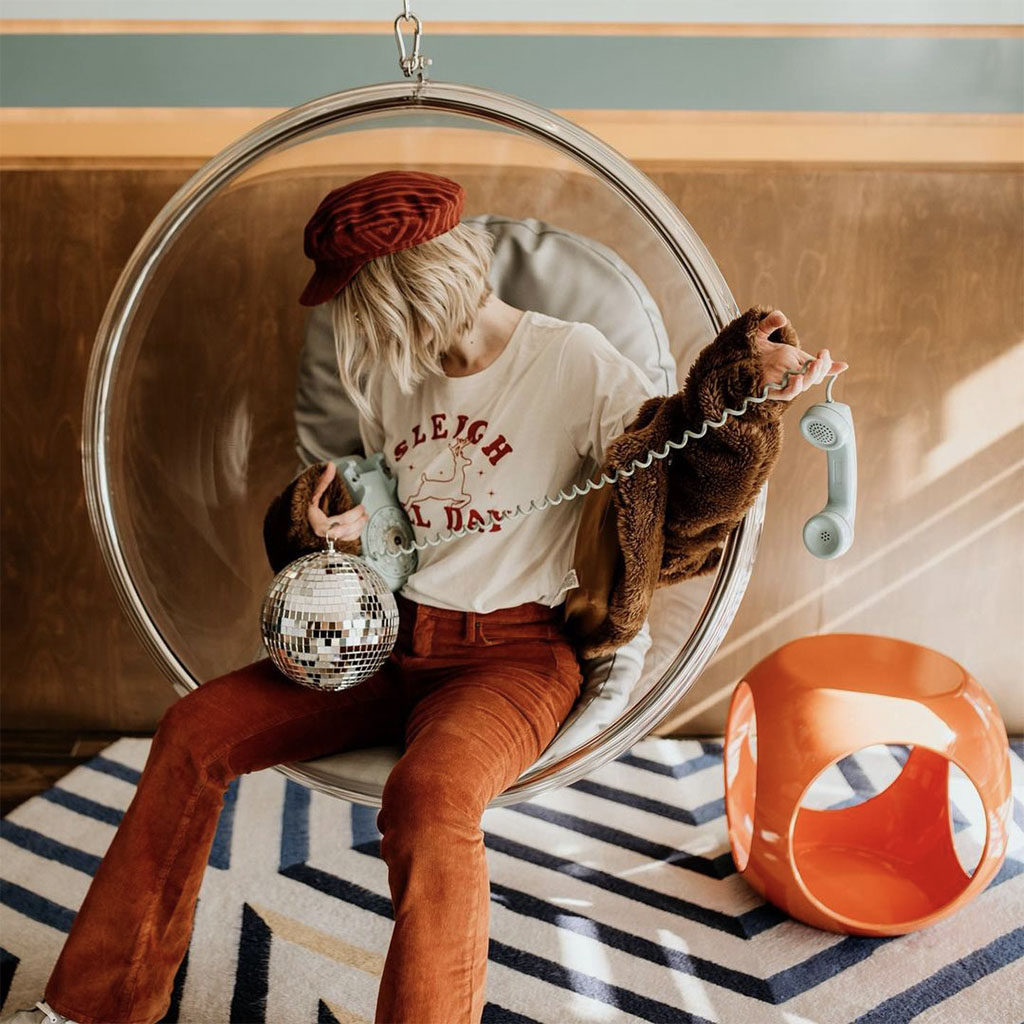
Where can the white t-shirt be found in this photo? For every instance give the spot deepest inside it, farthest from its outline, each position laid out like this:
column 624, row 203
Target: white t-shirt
column 533, row 422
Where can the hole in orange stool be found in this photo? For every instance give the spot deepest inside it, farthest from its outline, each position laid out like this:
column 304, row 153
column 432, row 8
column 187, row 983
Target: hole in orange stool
column 886, row 860
column 853, row 780
column 741, row 773
column 967, row 819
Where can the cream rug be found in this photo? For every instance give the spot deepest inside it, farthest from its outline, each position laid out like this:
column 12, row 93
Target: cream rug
column 613, row 900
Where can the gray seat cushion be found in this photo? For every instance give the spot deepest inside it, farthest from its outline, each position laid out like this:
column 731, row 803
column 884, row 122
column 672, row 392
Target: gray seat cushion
column 536, row 266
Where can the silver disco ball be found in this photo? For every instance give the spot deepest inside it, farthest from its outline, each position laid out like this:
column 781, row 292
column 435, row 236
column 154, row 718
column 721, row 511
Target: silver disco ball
column 329, row 620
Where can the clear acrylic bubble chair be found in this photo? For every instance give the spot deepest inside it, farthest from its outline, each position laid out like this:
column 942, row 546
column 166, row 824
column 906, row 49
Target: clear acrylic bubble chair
column 210, row 387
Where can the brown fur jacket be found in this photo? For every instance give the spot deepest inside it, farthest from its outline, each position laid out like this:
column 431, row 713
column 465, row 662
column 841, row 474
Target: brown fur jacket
column 661, row 525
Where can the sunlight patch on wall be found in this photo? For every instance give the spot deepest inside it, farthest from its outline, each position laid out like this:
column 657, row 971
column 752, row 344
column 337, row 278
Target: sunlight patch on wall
column 977, row 411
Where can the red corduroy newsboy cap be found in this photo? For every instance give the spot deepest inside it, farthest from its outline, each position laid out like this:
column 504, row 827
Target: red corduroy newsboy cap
column 378, row 214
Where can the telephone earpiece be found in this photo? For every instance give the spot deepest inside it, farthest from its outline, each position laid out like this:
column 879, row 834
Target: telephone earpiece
column 829, row 425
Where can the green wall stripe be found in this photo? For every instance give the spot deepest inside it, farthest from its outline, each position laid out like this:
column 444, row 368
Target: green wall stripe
column 604, row 72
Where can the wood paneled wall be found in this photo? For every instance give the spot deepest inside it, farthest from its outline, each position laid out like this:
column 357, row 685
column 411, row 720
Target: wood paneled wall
column 912, row 275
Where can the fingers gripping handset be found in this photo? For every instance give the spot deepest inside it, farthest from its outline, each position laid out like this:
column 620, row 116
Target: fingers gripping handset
column 829, row 426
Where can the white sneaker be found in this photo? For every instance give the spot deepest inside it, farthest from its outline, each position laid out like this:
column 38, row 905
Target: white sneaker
column 42, row 1013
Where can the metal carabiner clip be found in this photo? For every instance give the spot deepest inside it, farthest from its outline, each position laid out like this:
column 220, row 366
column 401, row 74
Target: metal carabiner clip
column 410, row 63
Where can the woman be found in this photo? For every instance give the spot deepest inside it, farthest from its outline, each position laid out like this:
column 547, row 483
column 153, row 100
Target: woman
column 477, row 406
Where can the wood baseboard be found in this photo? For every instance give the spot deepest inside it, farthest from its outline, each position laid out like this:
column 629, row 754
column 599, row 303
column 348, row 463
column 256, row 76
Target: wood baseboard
column 32, row 760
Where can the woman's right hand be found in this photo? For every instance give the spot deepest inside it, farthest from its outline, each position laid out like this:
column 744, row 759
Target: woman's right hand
column 344, row 526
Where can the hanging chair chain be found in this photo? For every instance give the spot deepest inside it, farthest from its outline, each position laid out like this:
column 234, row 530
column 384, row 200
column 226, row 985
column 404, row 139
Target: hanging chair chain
column 411, row 63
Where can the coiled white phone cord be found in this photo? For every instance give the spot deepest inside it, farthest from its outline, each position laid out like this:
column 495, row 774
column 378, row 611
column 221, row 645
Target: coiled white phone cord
column 607, row 478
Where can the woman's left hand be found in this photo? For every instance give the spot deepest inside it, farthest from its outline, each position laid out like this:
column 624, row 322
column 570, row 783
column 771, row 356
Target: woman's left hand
column 776, row 357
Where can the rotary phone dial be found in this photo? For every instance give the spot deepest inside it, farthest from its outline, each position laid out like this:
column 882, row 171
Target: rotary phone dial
column 370, row 483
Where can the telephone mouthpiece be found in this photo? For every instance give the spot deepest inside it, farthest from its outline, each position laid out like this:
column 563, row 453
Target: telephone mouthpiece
column 827, row 535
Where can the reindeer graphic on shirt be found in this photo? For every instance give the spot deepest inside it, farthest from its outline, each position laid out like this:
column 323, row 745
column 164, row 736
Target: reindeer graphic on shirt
column 440, row 488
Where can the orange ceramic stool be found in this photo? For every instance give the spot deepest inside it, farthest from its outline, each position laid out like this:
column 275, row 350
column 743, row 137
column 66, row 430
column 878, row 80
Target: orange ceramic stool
column 885, row 866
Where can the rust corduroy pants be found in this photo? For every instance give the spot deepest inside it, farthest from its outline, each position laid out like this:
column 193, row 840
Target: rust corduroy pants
column 475, row 698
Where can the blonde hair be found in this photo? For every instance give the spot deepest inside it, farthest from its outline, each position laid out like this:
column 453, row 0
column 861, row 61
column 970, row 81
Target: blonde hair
column 403, row 310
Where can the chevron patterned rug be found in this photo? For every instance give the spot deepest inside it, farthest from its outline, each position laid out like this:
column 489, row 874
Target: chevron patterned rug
column 613, row 900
